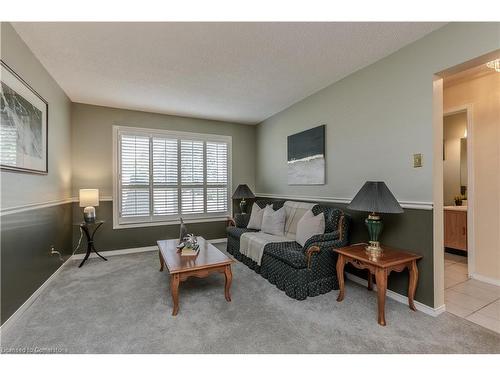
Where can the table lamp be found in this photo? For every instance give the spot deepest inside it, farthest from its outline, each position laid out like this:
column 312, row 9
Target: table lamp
column 89, row 198
column 243, row 192
column 375, row 197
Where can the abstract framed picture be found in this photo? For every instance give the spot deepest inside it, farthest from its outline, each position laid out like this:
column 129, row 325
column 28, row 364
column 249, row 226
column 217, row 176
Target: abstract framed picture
column 306, row 157
column 23, row 125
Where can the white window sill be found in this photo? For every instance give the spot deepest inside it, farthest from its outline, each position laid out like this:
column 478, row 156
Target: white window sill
column 170, row 222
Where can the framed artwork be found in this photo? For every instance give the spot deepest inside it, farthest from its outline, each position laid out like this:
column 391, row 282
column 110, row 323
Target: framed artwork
column 23, row 125
column 306, row 157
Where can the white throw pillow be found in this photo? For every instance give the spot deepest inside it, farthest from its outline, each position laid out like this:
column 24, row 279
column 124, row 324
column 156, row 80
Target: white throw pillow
column 255, row 221
column 273, row 222
column 309, row 225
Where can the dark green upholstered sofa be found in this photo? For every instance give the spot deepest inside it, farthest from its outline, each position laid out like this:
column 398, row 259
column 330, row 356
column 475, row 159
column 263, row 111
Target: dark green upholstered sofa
column 300, row 271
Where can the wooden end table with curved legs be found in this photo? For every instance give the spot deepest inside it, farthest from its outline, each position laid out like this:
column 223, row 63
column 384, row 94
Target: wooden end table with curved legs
column 209, row 260
column 390, row 260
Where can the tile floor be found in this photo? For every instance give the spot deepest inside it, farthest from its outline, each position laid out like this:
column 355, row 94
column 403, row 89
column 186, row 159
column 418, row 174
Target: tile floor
column 473, row 300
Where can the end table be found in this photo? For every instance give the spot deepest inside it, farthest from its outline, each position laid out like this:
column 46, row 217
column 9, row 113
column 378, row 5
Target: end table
column 90, row 229
column 390, row 260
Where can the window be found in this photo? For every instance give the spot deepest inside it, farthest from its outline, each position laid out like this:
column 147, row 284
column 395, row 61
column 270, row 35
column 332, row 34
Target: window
column 163, row 175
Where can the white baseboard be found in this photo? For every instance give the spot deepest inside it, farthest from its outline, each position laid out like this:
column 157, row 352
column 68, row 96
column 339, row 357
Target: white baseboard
column 400, row 298
column 485, row 279
column 110, row 253
column 218, row 240
column 17, row 314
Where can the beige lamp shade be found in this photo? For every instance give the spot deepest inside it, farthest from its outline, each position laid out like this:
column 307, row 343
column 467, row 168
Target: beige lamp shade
column 89, row 197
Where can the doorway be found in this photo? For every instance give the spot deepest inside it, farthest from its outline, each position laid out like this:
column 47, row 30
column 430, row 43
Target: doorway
column 457, row 254
column 470, row 197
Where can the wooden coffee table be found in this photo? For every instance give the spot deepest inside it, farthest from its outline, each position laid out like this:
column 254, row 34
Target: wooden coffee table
column 209, row 260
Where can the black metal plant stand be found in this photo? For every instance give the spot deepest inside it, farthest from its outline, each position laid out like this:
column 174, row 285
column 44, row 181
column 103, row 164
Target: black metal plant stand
column 90, row 239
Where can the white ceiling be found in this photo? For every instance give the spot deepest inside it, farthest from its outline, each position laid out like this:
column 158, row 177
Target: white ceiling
column 239, row 72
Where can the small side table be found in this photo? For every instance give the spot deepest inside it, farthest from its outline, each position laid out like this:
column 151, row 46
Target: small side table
column 90, row 229
column 390, row 260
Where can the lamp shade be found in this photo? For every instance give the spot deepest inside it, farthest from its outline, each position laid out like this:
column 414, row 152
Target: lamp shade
column 243, row 192
column 375, row 196
column 89, row 197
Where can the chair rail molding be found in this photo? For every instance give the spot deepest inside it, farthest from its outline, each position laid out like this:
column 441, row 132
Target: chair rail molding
column 35, row 206
column 310, row 198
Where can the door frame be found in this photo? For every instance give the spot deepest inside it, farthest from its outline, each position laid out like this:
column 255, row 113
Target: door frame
column 468, row 109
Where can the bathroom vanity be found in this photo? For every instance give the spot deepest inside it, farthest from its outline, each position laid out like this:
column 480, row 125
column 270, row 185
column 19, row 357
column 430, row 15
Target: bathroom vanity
column 455, row 227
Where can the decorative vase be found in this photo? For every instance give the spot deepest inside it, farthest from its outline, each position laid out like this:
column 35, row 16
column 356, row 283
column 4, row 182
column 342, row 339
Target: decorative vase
column 182, row 231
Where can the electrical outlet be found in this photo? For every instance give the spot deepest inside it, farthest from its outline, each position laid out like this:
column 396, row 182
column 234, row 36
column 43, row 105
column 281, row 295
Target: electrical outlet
column 53, row 251
column 417, row 160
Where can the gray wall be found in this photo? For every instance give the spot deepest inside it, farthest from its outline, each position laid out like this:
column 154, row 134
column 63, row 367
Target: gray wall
column 375, row 120
column 92, row 166
column 412, row 231
column 25, row 261
column 24, row 188
column 27, row 236
column 92, row 142
column 399, row 232
column 107, row 238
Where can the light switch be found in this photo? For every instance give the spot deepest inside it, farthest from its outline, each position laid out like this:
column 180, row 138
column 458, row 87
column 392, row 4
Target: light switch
column 417, row 160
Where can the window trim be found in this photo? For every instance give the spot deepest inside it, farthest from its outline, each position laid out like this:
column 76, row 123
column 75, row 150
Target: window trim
column 165, row 219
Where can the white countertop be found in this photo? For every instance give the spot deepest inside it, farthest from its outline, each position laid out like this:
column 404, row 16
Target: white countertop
column 455, row 208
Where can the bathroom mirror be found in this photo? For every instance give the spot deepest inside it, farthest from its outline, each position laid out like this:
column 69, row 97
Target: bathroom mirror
column 454, row 156
column 463, row 165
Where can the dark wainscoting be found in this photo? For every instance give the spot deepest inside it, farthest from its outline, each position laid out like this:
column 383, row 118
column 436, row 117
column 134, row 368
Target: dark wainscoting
column 25, row 245
column 108, row 238
column 412, row 231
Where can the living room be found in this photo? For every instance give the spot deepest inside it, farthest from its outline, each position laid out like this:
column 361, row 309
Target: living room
column 264, row 174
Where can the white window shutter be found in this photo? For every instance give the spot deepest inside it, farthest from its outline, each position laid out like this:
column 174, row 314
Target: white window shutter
column 134, row 175
column 165, row 201
column 216, row 163
column 164, row 161
column 191, row 162
column 163, row 176
column 134, row 160
column 192, row 200
column 217, row 199
column 135, row 202
column 217, row 166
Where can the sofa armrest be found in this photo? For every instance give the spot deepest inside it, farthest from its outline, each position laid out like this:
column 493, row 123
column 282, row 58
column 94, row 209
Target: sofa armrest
column 241, row 220
column 322, row 240
column 321, row 246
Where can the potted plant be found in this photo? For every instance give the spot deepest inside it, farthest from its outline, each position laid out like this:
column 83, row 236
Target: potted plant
column 458, row 199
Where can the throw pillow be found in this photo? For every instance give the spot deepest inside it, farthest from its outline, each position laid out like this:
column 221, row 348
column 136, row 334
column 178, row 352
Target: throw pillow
column 273, row 222
column 255, row 221
column 309, row 225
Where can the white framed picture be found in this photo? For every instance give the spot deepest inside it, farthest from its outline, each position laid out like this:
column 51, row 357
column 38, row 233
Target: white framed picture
column 23, row 125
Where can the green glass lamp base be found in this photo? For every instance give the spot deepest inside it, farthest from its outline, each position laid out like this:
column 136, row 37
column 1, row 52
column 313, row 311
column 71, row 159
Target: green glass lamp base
column 243, row 206
column 374, row 225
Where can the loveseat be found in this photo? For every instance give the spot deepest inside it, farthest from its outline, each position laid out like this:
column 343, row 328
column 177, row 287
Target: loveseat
column 300, row 271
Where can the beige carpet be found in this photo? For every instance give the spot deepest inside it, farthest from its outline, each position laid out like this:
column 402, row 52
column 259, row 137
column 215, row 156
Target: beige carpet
column 124, row 306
